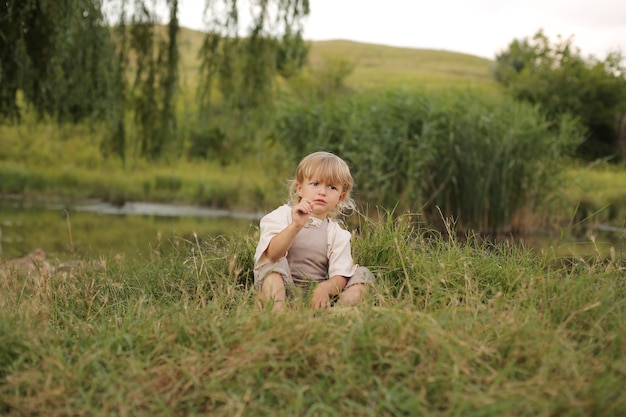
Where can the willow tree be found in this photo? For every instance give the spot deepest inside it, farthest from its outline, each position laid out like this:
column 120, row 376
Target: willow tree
column 244, row 65
column 58, row 55
column 64, row 59
column 155, row 80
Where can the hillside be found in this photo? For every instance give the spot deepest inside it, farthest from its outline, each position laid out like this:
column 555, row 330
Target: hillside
column 381, row 65
column 375, row 65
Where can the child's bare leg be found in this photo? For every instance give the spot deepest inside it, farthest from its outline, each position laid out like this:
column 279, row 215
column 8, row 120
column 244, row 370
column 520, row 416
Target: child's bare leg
column 352, row 295
column 273, row 291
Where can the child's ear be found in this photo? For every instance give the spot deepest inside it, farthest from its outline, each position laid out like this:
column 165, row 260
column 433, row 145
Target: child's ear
column 342, row 196
column 299, row 188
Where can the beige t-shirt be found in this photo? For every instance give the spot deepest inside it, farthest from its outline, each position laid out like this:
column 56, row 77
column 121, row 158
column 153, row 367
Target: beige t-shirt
column 339, row 254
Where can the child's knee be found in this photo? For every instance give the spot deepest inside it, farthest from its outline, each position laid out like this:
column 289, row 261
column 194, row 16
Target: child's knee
column 273, row 291
column 273, row 282
column 353, row 294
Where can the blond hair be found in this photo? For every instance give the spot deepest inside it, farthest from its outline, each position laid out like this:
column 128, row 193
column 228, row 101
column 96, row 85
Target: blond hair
column 327, row 167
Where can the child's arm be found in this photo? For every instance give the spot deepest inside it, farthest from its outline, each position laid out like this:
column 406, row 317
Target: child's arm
column 280, row 244
column 325, row 290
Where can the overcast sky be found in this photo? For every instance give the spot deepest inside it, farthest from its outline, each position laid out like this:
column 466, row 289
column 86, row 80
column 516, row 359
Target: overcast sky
column 477, row 27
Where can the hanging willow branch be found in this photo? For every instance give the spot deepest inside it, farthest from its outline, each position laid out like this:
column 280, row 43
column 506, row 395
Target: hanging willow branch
column 244, row 69
column 59, row 55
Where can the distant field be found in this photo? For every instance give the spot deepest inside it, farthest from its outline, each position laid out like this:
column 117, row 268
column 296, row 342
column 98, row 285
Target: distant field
column 375, row 65
column 386, row 66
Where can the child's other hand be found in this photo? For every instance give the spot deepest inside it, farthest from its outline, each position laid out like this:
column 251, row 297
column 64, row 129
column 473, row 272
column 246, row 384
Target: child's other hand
column 320, row 298
column 301, row 212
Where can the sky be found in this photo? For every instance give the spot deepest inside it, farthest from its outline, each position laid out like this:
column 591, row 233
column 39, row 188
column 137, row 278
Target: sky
column 477, row 27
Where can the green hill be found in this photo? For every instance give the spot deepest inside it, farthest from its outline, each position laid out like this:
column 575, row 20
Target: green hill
column 375, row 65
column 381, row 65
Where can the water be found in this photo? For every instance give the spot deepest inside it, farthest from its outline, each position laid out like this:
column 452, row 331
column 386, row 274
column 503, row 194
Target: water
column 598, row 242
column 95, row 229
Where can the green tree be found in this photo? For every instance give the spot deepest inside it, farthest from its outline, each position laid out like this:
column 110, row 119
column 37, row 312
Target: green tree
column 557, row 77
column 58, row 54
column 244, row 69
column 68, row 60
column 114, row 142
column 155, row 83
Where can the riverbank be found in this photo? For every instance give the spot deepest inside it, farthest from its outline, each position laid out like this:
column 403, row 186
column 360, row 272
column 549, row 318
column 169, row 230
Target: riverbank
column 587, row 219
column 593, row 194
column 87, row 229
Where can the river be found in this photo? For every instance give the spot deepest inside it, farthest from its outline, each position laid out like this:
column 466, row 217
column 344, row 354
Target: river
column 91, row 229
column 95, row 229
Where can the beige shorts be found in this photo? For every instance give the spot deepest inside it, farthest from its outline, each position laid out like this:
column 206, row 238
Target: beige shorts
column 362, row 274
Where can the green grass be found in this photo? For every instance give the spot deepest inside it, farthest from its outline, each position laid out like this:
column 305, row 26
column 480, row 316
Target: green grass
column 47, row 160
column 598, row 193
column 451, row 328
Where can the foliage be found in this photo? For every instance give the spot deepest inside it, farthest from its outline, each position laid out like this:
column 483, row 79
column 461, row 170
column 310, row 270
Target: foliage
column 55, row 57
column 156, row 80
column 323, row 81
column 60, row 62
column 245, row 70
column 484, row 161
column 451, row 328
column 558, row 78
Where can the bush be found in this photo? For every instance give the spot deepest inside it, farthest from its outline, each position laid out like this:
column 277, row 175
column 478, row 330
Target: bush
column 556, row 77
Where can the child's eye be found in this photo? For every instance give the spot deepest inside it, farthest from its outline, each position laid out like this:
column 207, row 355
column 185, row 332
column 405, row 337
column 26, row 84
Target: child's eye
column 332, row 187
column 314, row 183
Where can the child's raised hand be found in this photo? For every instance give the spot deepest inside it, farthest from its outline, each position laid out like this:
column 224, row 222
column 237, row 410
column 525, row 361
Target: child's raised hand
column 301, row 212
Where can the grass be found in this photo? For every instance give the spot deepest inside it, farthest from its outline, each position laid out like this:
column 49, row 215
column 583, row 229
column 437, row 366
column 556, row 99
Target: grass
column 451, row 328
column 597, row 191
column 47, row 160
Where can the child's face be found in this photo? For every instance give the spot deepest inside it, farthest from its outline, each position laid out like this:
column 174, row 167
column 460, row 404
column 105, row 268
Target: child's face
column 322, row 194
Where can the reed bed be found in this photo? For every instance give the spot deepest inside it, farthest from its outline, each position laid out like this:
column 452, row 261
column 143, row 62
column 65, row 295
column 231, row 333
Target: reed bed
column 489, row 162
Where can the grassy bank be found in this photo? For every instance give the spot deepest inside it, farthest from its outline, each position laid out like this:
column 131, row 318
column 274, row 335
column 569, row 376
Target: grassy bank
column 46, row 161
column 43, row 160
column 451, row 328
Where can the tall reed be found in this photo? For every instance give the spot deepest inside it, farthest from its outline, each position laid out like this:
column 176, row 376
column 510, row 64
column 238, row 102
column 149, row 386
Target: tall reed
column 485, row 161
